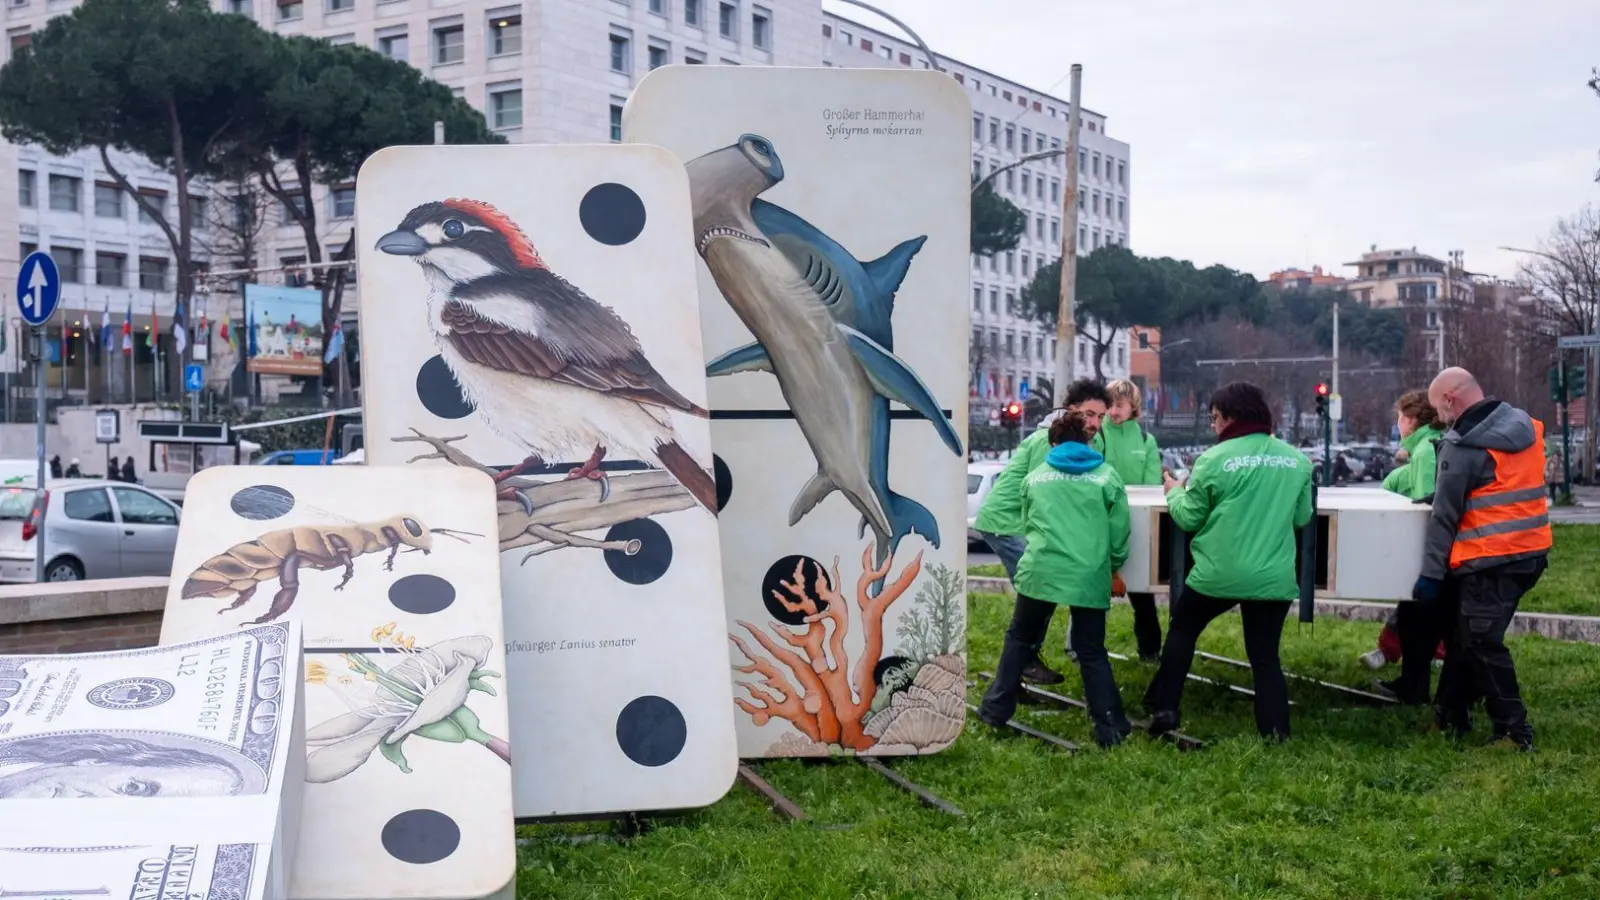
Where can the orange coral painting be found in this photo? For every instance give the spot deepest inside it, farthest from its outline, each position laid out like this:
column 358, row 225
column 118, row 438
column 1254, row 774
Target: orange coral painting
column 799, row 671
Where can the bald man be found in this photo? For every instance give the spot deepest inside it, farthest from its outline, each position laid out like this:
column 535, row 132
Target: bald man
column 1488, row 542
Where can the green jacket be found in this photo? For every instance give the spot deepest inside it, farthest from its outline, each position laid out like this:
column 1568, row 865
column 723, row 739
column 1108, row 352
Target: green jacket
column 1130, row 450
column 1244, row 500
column 1001, row 512
column 1075, row 511
column 1415, row 478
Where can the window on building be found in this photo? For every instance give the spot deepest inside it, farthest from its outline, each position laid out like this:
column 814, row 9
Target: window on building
column 505, row 35
column 1011, row 262
column 1055, row 230
column 1026, row 262
column 27, row 188
column 505, row 106
column 342, row 39
column 26, row 248
column 691, row 12
column 339, row 6
column 199, row 211
column 111, row 269
column 1038, row 226
column 290, row 10
column 658, row 55
column 20, row 37
column 1122, row 356
column 616, row 120
column 293, row 275
column 287, row 210
column 1011, row 137
column 994, row 301
column 1083, row 238
column 152, row 273
column 994, row 132
column 694, row 58
column 157, row 199
column 449, row 44
column 1122, row 210
column 1097, row 165
column 1122, row 173
column 1027, row 140
column 107, row 200
column 1095, row 239
column 761, row 28
column 1081, row 198
column 659, row 7
column 1038, row 186
column 1083, row 354
column 395, row 45
column 1055, row 190
column 621, row 53
column 977, row 298
column 1083, row 161
column 1011, row 185
column 342, row 201
column 977, row 128
column 1097, row 203
column 65, row 193
column 69, row 261
column 728, row 21
column 239, row 7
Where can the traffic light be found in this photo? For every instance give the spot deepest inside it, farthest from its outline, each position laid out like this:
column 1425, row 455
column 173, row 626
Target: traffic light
column 1011, row 415
column 1577, row 382
column 1322, row 399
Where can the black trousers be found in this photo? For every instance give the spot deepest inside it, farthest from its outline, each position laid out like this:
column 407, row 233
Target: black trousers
column 1146, row 624
column 1420, row 626
column 1029, row 622
column 1263, row 632
column 1477, row 663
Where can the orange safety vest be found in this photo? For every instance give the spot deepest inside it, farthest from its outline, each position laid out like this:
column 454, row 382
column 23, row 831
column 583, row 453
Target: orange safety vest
column 1509, row 516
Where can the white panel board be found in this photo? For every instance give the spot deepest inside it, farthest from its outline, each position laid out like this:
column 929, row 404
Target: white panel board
column 1373, row 548
column 395, row 580
column 831, row 213
column 532, row 310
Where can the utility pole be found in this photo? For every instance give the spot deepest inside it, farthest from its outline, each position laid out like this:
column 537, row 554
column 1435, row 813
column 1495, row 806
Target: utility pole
column 1336, row 394
column 1066, row 323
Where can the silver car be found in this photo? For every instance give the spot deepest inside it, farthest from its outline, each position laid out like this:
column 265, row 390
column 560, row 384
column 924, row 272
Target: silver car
column 92, row 529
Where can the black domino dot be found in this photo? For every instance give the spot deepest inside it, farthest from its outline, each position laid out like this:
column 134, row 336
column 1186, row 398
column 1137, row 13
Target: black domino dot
column 261, row 502
column 421, row 836
column 439, row 391
column 782, row 572
column 654, row 554
column 724, row 477
column 651, row 731
column 612, row 214
column 421, row 595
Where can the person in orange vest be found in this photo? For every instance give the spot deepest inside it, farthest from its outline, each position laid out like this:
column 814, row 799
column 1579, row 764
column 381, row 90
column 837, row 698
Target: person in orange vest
column 1488, row 542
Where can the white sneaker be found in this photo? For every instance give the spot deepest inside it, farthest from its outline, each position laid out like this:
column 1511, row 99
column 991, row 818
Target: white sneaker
column 1374, row 659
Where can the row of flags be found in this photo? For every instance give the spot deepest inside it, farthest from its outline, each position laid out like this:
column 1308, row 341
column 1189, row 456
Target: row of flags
column 233, row 333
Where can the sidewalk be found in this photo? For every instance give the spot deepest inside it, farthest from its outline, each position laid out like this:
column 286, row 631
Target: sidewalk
column 1585, row 512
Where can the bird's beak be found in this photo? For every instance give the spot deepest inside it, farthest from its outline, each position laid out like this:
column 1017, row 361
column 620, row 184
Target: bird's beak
column 403, row 243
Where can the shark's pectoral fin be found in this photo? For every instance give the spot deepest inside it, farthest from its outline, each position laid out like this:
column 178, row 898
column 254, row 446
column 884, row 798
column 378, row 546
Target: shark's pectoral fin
column 817, row 488
column 749, row 358
column 888, row 270
column 895, row 380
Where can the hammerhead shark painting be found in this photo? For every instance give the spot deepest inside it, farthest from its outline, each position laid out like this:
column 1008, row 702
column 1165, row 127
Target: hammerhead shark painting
column 821, row 319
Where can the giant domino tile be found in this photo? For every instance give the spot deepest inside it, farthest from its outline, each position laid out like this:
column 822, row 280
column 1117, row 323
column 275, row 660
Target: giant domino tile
column 815, row 191
column 408, row 776
column 1369, row 543
column 613, row 598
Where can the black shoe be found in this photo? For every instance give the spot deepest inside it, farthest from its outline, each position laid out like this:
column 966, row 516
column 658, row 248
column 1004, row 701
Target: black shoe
column 1162, row 722
column 1455, row 726
column 1039, row 673
column 1391, row 689
column 1150, row 659
column 990, row 721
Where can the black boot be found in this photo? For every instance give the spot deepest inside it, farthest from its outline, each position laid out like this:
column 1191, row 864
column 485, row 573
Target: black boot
column 1039, row 673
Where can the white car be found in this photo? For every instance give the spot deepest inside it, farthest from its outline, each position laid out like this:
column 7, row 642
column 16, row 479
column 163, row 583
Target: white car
column 980, row 478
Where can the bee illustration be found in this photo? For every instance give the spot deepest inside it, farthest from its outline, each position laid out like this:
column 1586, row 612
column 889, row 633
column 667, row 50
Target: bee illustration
column 283, row 553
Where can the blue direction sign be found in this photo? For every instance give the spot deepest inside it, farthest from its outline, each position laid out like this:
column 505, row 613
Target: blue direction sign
column 194, row 378
column 1022, row 391
column 38, row 288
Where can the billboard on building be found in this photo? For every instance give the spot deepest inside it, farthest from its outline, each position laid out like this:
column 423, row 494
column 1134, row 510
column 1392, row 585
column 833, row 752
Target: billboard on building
column 283, row 330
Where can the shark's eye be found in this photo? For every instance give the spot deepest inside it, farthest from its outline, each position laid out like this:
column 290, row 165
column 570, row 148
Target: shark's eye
column 454, row 229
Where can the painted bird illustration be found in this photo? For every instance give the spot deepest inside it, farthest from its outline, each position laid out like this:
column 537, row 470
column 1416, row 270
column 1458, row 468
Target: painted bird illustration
column 548, row 367
column 821, row 319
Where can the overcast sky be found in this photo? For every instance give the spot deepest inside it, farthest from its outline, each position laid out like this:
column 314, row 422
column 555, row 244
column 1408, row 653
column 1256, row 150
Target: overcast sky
column 1276, row 133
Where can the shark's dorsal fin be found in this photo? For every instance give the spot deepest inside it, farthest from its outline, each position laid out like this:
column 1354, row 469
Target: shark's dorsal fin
column 894, row 379
column 889, row 270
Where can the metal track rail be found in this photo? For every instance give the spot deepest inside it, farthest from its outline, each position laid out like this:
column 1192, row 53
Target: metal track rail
column 1354, row 692
column 923, row 795
column 1184, row 741
column 1057, row 742
column 1230, row 687
column 775, row 798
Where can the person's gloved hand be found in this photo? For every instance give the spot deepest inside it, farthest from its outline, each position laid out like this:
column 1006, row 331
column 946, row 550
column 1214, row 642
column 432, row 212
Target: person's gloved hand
column 1118, row 587
column 1426, row 589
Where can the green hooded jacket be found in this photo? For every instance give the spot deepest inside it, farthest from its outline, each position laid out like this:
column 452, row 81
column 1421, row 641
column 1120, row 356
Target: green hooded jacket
column 1130, row 450
column 1075, row 511
column 1001, row 512
column 1243, row 502
column 1415, row 479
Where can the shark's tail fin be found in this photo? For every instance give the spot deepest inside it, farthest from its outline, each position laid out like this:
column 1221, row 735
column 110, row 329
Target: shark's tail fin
column 906, row 516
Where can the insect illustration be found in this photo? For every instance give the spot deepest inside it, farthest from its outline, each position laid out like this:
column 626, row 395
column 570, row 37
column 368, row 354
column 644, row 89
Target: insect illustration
column 283, row 553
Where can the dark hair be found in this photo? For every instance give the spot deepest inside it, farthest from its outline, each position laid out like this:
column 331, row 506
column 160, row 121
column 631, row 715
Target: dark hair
column 1242, row 402
column 1085, row 389
column 1415, row 405
column 1069, row 427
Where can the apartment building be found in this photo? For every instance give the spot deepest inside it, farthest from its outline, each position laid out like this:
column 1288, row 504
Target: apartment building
column 1416, row 281
column 542, row 71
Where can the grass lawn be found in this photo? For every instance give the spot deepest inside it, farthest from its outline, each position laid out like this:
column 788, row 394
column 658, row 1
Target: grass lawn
column 1360, row 804
column 1568, row 586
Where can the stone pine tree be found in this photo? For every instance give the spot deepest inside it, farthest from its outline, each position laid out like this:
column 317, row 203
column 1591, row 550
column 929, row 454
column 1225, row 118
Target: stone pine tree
column 166, row 80
column 997, row 224
column 328, row 109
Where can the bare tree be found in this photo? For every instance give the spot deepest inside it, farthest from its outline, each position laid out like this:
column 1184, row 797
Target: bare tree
column 233, row 237
column 1564, row 278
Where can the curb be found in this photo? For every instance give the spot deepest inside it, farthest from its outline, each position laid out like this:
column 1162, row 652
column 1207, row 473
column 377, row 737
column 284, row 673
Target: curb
column 1555, row 626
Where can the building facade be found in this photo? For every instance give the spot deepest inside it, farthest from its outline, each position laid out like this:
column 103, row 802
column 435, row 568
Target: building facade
column 542, row 71
column 1425, row 286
